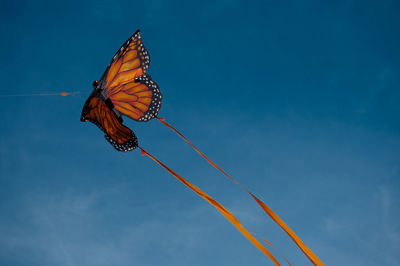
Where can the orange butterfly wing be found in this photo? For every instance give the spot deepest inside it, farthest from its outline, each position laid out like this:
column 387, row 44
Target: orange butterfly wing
column 140, row 100
column 127, row 85
column 96, row 111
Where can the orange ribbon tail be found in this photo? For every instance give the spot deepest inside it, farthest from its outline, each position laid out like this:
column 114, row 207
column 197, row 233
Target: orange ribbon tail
column 287, row 261
column 307, row 252
column 228, row 215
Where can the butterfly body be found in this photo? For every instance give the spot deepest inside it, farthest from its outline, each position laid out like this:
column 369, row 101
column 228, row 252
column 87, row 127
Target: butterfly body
column 124, row 89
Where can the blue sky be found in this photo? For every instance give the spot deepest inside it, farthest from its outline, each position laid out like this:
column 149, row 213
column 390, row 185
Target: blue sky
column 299, row 100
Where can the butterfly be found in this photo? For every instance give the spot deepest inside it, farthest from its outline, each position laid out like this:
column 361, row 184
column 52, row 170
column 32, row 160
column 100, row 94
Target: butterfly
column 124, row 89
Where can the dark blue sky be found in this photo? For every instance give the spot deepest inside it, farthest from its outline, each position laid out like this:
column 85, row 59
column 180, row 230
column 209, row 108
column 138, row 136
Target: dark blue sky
column 299, row 100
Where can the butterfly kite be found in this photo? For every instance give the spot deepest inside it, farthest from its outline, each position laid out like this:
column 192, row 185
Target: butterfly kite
column 125, row 89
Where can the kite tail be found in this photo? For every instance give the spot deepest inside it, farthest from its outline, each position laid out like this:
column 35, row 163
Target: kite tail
column 280, row 254
column 309, row 254
column 228, row 215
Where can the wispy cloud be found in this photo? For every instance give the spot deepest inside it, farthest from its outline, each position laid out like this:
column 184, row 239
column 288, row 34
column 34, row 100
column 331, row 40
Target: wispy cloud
column 71, row 229
column 372, row 233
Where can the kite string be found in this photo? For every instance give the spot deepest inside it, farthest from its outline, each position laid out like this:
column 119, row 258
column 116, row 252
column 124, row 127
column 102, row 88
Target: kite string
column 307, row 252
column 42, row 94
column 228, row 215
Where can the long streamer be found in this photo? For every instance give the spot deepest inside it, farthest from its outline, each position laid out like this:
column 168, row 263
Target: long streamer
column 280, row 254
column 307, row 252
column 228, row 215
column 277, row 251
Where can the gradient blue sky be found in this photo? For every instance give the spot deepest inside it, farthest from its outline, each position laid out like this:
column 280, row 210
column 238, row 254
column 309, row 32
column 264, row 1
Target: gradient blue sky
column 299, row 100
